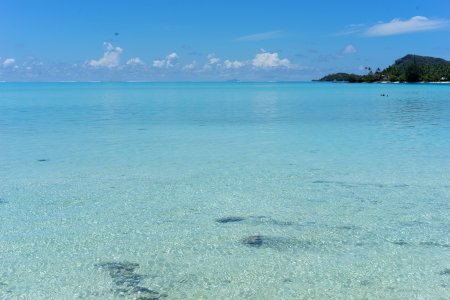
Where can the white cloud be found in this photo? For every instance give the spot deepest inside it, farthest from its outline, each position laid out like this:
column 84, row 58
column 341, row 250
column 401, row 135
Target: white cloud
column 349, row 49
column 110, row 59
column 172, row 56
column 270, row 35
column 135, row 61
column 9, row 62
column 350, row 29
column 168, row 62
column 270, row 60
column 159, row 63
column 212, row 59
column 398, row 26
column 190, row 66
column 228, row 64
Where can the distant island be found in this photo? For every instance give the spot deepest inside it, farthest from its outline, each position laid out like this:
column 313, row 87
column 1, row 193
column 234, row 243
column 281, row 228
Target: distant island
column 410, row 68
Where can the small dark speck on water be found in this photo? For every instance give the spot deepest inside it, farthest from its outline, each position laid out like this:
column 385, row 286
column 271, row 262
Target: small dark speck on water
column 42, row 160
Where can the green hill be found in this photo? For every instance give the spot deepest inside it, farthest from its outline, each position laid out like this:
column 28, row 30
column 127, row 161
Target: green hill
column 420, row 60
column 410, row 68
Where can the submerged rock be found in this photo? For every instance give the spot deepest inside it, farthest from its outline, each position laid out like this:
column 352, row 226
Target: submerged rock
column 435, row 244
column 229, row 220
column 277, row 243
column 255, row 220
column 253, row 241
column 400, row 243
column 346, row 227
column 445, row 272
column 269, row 221
column 126, row 280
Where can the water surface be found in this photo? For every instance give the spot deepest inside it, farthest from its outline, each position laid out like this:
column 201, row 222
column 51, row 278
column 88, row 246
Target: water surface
column 224, row 191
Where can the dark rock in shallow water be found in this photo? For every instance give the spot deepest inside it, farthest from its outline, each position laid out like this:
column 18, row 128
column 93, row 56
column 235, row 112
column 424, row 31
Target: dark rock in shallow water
column 400, row 243
column 269, row 221
column 147, row 297
column 282, row 223
column 253, row 241
column 277, row 243
column 445, row 272
column 255, row 220
column 229, row 219
column 345, row 227
column 435, row 244
column 123, row 274
column 127, row 281
column 118, row 268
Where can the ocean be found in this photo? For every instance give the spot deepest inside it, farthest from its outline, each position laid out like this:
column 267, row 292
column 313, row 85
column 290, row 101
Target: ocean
column 224, row 191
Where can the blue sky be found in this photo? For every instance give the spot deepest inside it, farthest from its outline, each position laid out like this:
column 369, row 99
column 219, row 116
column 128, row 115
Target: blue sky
column 213, row 40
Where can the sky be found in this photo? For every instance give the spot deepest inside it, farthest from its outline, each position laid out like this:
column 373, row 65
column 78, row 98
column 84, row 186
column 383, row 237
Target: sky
column 198, row 40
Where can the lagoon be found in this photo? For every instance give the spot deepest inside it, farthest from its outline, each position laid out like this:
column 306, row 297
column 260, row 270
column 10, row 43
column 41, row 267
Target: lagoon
column 224, row 191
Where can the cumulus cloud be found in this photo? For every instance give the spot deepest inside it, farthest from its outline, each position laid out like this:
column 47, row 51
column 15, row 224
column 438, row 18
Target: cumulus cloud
column 110, row 59
column 9, row 62
column 159, row 63
column 270, row 35
column 212, row 59
column 398, row 26
column 172, row 56
column 190, row 66
column 228, row 64
column 267, row 60
column 349, row 49
column 168, row 62
column 135, row 61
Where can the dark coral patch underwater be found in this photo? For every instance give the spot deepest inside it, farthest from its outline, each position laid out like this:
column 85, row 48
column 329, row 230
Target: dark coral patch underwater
column 127, row 282
column 229, row 220
column 276, row 242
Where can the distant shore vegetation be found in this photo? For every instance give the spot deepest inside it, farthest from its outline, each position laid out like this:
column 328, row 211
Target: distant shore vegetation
column 410, row 68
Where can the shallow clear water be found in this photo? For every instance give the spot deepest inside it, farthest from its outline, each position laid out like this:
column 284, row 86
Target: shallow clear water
column 110, row 190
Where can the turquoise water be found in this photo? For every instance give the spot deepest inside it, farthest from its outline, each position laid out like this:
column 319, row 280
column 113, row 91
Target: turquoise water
column 117, row 190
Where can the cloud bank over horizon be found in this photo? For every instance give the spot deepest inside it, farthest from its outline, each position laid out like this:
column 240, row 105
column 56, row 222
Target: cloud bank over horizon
column 264, row 65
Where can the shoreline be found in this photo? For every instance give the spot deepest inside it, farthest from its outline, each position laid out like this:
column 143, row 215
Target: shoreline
column 389, row 82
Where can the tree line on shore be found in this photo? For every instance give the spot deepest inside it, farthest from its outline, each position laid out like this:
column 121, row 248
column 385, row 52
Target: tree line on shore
column 410, row 68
